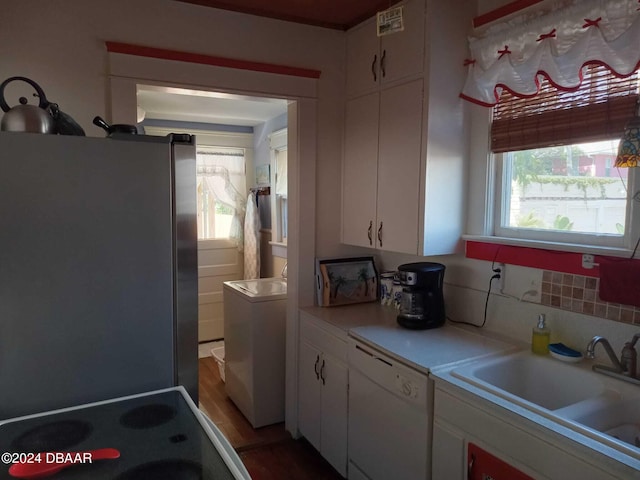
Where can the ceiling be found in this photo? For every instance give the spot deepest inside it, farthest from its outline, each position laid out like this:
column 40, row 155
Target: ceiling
column 179, row 104
column 337, row 14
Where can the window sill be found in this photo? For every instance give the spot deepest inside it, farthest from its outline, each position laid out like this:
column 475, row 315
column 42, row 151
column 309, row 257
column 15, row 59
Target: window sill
column 278, row 249
column 557, row 257
column 553, row 246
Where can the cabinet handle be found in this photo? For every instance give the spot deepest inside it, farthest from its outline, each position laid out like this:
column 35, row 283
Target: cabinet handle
column 472, row 460
column 380, row 234
column 315, row 367
column 322, row 372
column 373, row 68
column 383, row 66
column 369, row 230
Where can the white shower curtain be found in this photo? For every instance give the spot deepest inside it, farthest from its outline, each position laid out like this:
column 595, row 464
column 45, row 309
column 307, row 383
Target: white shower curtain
column 251, row 239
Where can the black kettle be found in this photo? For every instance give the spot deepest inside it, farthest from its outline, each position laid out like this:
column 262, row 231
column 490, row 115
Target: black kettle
column 25, row 117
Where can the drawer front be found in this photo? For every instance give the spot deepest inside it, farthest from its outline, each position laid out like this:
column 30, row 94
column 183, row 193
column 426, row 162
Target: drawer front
column 323, row 340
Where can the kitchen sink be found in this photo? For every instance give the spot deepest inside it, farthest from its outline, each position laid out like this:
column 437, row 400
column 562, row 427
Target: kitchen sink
column 534, row 381
column 572, row 394
column 619, row 419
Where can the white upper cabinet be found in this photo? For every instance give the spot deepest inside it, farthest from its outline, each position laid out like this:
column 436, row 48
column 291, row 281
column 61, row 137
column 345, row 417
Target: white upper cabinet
column 374, row 61
column 360, row 171
column 406, row 146
column 399, row 143
column 381, row 169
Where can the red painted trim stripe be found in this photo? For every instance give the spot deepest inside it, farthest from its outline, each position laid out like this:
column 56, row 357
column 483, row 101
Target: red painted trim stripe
column 164, row 54
column 566, row 262
column 503, row 11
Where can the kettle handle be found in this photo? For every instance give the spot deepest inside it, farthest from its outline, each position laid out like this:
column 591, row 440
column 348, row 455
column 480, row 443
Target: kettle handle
column 44, row 103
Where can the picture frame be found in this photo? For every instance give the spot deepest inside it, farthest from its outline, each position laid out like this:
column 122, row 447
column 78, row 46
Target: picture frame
column 263, row 173
column 343, row 281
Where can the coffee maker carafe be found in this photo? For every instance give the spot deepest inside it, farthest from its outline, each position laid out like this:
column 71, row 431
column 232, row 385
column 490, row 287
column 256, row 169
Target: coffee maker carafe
column 422, row 303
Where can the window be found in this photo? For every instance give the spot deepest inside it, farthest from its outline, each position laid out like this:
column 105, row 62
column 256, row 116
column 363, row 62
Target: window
column 281, row 193
column 279, row 207
column 554, row 155
column 221, row 159
column 220, row 174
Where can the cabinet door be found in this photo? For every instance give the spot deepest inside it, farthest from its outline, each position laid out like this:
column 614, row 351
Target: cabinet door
column 399, row 179
column 333, row 434
column 363, row 58
column 309, row 405
column 402, row 53
column 359, row 171
column 448, row 453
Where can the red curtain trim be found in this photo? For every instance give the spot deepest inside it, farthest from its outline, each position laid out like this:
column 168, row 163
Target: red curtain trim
column 476, row 101
column 152, row 52
column 556, row 261
column 546, row 75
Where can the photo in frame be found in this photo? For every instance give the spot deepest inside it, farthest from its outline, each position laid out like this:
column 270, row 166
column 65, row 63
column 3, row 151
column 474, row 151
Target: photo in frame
column 342, row 281
column 263, row 175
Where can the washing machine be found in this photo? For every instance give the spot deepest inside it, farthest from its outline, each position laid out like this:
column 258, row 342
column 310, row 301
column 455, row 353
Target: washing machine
column 254, row 342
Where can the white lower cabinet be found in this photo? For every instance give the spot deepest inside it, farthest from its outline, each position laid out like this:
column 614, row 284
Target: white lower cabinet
column 322, row 396
column 448, row 453
column 517, row 444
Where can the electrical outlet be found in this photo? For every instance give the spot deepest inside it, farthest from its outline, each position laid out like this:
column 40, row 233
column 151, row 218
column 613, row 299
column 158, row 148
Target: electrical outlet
column 500, row 269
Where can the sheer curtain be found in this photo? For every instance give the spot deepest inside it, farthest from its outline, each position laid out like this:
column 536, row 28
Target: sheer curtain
column 222, row 171
column 557, row 44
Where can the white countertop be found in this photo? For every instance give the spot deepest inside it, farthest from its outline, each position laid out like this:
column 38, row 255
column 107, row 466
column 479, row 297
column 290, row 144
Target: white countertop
column 424, row 350
column 427, row 350
column 347, row 317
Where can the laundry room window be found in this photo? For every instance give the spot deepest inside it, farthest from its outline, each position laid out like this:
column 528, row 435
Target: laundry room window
column 221, row 179
column 279, row 169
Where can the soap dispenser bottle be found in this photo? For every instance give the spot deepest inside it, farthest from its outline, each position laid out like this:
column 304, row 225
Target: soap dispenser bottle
column 540, row 337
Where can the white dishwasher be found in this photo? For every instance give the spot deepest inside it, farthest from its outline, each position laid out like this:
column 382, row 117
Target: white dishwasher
column 389, row 417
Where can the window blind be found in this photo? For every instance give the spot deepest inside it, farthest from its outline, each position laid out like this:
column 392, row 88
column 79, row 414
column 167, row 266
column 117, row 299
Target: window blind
column 596, row 110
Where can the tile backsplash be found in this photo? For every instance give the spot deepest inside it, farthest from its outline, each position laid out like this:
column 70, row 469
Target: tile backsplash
column 579, row 294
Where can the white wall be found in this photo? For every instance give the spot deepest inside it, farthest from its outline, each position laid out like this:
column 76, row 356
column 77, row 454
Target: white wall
column 60, row 45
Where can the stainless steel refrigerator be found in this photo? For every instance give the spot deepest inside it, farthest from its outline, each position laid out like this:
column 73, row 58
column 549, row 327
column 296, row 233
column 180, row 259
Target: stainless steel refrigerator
column 98, row 268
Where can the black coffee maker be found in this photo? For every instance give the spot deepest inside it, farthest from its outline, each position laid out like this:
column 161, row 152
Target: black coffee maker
column 422, row 303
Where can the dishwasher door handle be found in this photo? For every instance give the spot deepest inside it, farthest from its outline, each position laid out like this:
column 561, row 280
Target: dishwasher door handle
column 374, row 356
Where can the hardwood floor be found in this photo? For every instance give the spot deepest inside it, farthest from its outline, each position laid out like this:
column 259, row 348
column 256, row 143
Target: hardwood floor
column 269, row 453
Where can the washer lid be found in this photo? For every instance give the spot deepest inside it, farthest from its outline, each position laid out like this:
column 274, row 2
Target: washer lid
column 264, row 288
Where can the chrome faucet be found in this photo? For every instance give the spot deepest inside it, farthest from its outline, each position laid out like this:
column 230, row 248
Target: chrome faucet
column 607, row 346
column 626, row 367
column 283, row 273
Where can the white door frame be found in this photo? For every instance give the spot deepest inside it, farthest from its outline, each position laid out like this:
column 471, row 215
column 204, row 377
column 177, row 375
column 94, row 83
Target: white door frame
column 126, row 71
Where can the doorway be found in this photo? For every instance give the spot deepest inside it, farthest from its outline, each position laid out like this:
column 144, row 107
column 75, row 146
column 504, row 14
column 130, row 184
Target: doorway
column 235, row 138
column 126, row 71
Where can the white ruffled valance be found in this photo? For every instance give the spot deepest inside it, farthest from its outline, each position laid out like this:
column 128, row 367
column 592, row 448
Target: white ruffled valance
column 557, row 45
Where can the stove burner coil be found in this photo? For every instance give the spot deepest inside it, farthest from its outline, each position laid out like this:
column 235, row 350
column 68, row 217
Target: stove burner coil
column 148, row 416
column 53, row 436
column 164, row 470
